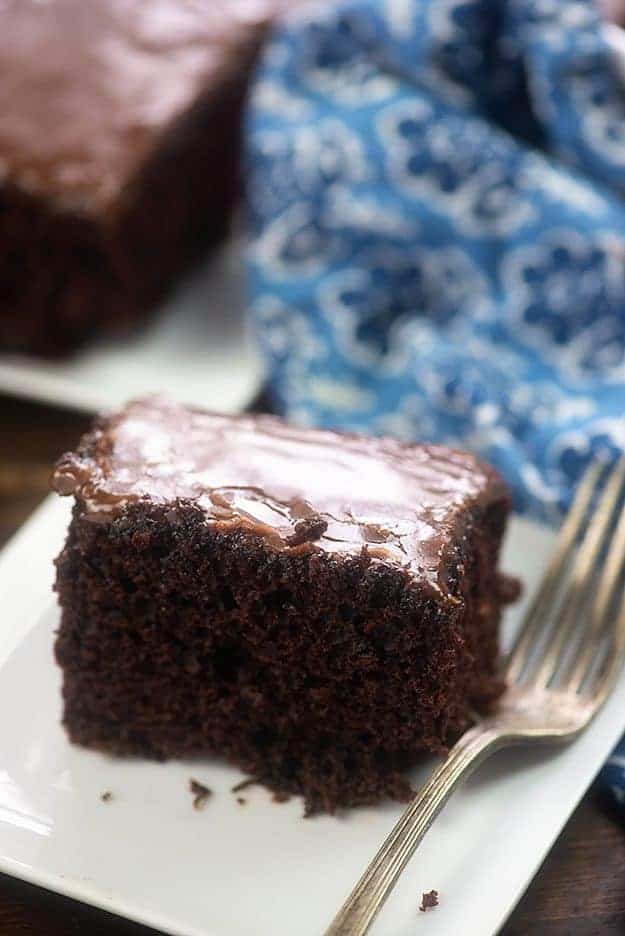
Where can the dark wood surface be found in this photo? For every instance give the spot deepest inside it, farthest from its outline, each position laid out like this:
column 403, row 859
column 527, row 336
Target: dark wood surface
column 579, row 891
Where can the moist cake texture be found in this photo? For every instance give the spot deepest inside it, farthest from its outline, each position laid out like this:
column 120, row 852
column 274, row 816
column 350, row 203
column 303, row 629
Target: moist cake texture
column 119, row 155
column 317, row 608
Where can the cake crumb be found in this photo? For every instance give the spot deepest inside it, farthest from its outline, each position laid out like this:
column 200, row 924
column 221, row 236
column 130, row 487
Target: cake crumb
column 280, row 797
column 241, row 800
column 307, row 531
column 200, row 793
column 244, row 784
column 429, row 901
column 106, row 797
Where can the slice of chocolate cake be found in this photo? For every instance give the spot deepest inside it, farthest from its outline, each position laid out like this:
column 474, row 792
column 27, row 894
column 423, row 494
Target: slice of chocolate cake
column 317, row 608
column 119, row 155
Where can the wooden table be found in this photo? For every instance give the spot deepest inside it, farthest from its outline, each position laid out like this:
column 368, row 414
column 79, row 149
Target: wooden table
column 579, row 891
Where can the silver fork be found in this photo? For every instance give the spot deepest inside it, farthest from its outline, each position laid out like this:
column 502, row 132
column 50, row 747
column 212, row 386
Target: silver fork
column 561, row 669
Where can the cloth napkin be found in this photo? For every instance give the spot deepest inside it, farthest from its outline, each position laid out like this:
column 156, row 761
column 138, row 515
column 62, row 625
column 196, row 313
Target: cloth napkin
column 436, row 203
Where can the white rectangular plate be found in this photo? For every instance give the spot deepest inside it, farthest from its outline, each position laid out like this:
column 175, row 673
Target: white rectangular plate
column 195, row 349
column 258, row 869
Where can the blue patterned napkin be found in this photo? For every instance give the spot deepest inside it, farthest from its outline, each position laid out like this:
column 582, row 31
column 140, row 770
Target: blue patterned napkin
column 437, row 208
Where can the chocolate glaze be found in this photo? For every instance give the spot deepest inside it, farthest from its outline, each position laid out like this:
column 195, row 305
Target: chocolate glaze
column 297, row 488
column 87, row 85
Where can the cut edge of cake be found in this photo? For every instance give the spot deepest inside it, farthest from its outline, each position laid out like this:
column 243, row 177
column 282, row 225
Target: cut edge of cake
column 318, row 672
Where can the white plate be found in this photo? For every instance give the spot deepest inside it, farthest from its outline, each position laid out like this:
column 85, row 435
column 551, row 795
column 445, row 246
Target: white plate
column 196, row 350
column 257, row 869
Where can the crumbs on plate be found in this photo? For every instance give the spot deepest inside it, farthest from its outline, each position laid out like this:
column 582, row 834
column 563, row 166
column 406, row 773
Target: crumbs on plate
column 429, row 901
column 244, row 784
column 200, row 793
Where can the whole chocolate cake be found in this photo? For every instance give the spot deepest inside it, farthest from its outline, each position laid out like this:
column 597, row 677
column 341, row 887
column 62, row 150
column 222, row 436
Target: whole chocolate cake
column 317, row 608
column 119, row 155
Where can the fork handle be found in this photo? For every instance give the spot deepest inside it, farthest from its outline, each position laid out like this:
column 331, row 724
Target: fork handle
column 362, row 906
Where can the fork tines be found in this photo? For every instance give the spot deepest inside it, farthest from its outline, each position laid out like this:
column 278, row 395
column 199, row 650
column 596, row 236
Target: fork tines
column 573, row 636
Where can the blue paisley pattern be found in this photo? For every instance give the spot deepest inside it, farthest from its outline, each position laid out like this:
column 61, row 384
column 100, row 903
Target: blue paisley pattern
column 436, row 202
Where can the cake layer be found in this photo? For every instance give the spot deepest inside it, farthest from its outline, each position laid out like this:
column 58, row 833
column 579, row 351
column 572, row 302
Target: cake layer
column 318, row 608
column 119, row 154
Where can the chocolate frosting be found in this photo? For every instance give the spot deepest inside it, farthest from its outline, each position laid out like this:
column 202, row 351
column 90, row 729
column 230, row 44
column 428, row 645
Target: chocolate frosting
column 298, row 488
column 87, row 85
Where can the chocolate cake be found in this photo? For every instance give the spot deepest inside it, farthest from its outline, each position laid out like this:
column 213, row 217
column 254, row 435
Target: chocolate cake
column 317, row 608
column 119, row 155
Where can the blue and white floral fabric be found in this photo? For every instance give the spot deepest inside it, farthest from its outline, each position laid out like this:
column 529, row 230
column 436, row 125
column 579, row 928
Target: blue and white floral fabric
column 613, row 776
column 436, row 201
column 437, row 206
